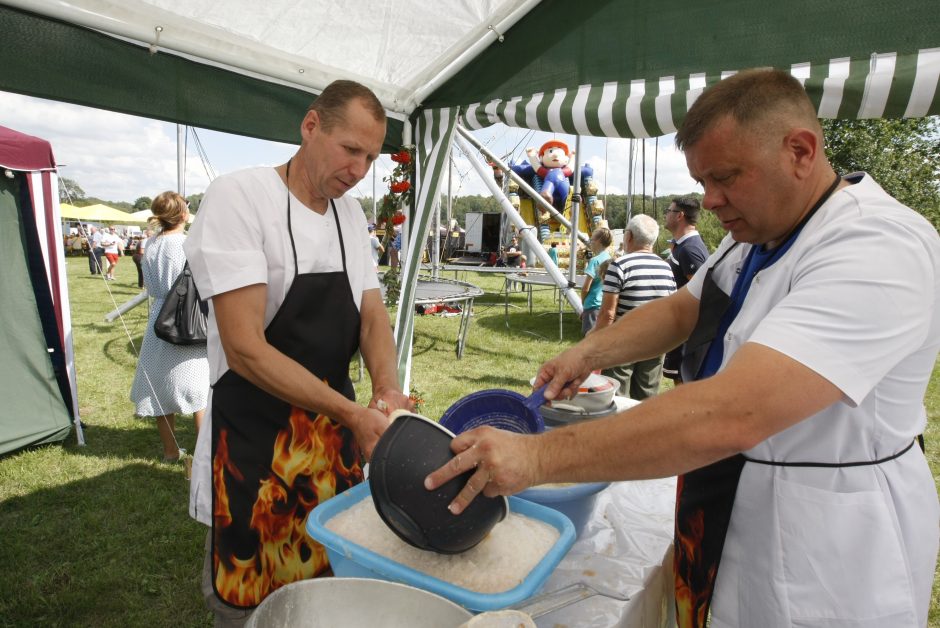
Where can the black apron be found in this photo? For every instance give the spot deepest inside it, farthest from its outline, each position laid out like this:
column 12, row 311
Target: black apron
column 705, row 496
column 272, row 463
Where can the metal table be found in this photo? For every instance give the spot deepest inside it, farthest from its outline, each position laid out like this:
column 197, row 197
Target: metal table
column 494, row 270
column 544, row 282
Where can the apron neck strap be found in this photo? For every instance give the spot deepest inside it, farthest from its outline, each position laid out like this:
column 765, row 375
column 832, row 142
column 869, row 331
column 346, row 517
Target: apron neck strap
column 812, row 212
column 290, row 231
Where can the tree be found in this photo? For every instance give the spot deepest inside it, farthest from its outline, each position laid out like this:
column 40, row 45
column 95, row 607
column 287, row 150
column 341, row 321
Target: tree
column 194, row 200
column 70, row 190
column 144, row 202
column 901, row 155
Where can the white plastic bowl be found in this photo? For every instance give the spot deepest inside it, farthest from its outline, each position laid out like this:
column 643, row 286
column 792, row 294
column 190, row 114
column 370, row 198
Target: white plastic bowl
column 595, row 393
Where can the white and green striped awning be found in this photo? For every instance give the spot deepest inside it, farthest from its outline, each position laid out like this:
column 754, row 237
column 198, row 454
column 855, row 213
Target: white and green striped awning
column 886, row 85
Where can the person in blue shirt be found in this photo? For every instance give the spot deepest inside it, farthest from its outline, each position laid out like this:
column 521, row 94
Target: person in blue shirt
column 553, row 252
column 593, row 282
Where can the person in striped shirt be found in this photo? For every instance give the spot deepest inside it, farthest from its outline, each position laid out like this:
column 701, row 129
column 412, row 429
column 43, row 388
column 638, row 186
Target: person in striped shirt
column 632, row 280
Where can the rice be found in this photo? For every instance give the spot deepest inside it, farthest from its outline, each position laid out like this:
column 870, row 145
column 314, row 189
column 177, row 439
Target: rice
column 500, row 562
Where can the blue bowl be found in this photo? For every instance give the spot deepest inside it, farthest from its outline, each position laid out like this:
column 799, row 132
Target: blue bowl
column 502, row 409
column 576, row 501
column 349, row 559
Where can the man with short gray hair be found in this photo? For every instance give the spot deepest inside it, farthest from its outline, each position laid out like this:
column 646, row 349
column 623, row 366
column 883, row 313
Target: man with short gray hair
column 636, row 278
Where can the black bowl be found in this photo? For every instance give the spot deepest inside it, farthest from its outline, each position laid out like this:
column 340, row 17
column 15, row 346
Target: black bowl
column 411, row 448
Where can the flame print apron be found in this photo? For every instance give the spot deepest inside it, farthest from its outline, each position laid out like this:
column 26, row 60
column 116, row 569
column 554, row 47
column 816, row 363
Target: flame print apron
column 705, row 496
column 272, row 463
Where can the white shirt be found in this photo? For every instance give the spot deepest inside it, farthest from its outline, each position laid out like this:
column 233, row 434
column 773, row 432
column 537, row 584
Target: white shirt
column 110, row 243
column 376, row 245
column 857, row 300
column 240, row 238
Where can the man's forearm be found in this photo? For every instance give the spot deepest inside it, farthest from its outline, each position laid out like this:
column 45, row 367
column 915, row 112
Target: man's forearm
column 643, row 333
column 759, row 394
column 377, row 345
column 379, row 353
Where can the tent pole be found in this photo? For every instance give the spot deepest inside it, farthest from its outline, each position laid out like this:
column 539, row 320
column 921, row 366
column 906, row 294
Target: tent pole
column 643, row 175
column 127, row 306
column 375, row 213
column 567, row 288
column 575, row 212
column 450, row 196
column 407, row 139
column 180, row 157
column 606, row 164
column 436, row 238
column 655, row 174
column 525, row 187
column 630, row 169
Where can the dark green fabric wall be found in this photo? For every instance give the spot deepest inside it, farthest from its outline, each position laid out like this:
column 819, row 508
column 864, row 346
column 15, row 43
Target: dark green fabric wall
column 31, row 407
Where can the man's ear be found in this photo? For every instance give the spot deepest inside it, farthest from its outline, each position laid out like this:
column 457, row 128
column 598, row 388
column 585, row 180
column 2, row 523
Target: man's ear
column 802, row 146
column 310, row 123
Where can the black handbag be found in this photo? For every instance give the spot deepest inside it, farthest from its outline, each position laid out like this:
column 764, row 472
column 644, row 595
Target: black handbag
column 184, row 316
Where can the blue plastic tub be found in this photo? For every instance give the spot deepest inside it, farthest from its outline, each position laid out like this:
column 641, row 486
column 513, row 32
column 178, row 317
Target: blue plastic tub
column 576, row 501
column 349, row 559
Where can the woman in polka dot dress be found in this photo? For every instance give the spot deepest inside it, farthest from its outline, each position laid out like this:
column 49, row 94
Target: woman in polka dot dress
column 170, row 379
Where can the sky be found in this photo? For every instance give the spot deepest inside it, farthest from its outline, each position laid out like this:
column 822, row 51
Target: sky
column 119, row 157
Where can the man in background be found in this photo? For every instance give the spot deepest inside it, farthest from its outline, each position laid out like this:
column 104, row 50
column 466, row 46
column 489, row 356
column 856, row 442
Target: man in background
column 688, row 254
column 95, row 251
column 631, row 281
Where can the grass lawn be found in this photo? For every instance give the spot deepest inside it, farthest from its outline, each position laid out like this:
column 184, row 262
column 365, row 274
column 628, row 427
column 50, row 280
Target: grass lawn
column 100, row 536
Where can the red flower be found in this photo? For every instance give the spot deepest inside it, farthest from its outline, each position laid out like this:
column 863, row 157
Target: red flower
column 400, row 186
column 401, row 157
column 398, row 218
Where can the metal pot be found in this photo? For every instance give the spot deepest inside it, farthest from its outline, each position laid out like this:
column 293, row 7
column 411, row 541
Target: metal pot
column 322, row 602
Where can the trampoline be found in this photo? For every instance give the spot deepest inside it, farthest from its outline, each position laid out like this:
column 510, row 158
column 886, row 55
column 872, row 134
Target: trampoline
column 440, row 290
column 540, row 281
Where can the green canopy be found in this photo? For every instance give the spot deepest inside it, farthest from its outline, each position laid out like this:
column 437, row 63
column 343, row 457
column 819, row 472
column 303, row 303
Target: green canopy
column 632, row 69
column 627, row 69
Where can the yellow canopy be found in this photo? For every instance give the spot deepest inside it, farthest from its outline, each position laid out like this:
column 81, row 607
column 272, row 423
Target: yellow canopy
column 103, row 213
column 145, row 215
column 73, row 213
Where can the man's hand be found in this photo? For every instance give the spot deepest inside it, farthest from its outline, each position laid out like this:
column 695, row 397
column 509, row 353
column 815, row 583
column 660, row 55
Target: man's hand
column 505, row 463
column 387, row 400
column 563, row 374
column 367, row 426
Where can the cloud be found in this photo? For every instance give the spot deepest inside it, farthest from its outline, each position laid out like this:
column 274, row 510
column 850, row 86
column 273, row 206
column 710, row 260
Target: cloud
column 112, row 156
column 120, row 157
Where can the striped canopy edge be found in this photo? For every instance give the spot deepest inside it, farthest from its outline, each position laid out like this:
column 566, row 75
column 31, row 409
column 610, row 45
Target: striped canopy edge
column 885, row 85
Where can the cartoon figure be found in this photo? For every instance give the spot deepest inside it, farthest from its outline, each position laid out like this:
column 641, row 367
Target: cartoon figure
column 550, row 164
